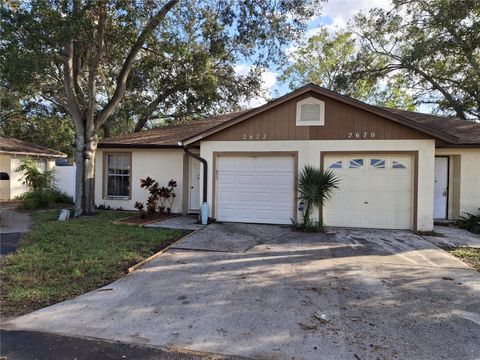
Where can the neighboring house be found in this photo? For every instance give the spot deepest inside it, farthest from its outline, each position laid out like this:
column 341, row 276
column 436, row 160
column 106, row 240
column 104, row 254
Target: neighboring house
column 398, row 169
column 12, row 152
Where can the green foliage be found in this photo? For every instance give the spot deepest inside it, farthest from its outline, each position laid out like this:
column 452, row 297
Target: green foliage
column 43, row 199
column 315, row 187
column 469, row 222
column 468, row 255
column 187, row 67
column 433, row 46
column 60, row 260
column 165, row 195
column 32, row 177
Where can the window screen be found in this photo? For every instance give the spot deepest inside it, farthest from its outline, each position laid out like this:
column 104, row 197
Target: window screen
column 118, row 175
column 310, row 112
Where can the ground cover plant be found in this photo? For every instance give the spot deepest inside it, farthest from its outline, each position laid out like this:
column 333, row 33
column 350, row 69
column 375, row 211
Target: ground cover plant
column 59, row 260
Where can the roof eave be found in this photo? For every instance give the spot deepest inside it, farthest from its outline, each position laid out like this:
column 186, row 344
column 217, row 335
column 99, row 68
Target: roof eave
column 137, row 146
column 33, row 154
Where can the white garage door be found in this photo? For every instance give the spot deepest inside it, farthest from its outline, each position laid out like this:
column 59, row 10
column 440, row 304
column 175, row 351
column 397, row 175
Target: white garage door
column 375, row 191
column 255, row 189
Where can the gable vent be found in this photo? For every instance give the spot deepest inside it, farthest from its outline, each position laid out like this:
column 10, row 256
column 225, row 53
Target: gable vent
column 310, row 112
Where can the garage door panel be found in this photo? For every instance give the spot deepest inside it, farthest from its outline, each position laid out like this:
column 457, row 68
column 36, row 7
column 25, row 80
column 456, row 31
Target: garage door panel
column 374, row 194
column 262, row 192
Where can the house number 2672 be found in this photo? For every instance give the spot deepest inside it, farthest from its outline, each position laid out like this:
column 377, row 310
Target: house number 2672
column 361, row 135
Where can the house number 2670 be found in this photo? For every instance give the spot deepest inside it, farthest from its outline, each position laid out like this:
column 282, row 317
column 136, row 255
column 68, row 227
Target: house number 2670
column 361, row 135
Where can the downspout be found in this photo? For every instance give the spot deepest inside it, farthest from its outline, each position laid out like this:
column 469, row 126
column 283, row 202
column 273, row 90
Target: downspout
column 204, row 208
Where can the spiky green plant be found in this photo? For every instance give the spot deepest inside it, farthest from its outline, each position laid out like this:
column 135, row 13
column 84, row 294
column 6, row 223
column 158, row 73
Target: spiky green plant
column 315, row 187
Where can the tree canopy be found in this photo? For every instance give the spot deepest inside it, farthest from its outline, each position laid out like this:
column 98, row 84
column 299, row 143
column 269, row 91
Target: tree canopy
column 418, row 53
column 106, row 63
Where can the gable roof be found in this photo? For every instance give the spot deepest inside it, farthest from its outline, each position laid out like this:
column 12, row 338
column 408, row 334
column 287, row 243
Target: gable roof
column 10, row 145
column 165, row 137
column 451, row 131
column 449, row 138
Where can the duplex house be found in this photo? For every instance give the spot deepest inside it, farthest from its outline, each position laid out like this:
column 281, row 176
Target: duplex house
column 398, row 169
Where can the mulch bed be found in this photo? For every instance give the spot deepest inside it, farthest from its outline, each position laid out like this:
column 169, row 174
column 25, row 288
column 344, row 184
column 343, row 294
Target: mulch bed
column 136, row 220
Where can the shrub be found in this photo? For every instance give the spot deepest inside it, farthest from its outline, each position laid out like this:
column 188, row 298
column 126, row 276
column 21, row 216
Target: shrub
column 469, row 222
column 165, row 195
column 33, row 177
column 314, row 188
column 43, row 199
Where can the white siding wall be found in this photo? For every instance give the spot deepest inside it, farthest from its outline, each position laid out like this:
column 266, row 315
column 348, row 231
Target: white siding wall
column 161, row 165
column 309, row 153
column 65, row 179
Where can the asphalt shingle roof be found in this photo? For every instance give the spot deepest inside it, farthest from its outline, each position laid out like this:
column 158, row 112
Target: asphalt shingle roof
column 10, row 145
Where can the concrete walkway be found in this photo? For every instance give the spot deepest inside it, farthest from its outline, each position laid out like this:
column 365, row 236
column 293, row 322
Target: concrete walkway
column 452, row 236
column 266, row 292
column 13, row 224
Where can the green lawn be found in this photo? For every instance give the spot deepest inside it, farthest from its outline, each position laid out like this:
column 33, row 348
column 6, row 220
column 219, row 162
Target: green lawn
column 59, row 260
column 468, row 255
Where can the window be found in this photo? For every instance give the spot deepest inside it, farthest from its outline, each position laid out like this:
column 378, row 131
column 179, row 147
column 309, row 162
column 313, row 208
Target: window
column 4, row 176
column 397, row 165
column 310, row 111
column 377, row 163
column 41, row 165
column 336, row 165
column 355, row 163
column 118, row 174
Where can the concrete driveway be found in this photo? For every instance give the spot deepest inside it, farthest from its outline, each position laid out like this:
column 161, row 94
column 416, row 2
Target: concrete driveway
column 266, row 292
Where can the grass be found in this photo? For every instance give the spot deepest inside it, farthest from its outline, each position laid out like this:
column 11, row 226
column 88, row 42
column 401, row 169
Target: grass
column 469, row 255
column 59, row 260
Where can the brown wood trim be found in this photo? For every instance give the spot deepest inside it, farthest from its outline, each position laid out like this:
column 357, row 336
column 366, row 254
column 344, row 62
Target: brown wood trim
column 186, row 184
column 414, row 154
column 448, row 184
column 104, row 174
column 217, row 154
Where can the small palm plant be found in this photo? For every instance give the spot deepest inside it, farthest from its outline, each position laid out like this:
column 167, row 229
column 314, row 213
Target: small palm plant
column 315, row 187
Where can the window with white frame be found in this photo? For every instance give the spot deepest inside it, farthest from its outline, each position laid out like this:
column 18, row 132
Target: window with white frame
column 118, row 175
column 310, row 111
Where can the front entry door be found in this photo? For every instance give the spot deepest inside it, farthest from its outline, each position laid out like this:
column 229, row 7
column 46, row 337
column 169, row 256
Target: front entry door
column 194, row 182
column 441, row 188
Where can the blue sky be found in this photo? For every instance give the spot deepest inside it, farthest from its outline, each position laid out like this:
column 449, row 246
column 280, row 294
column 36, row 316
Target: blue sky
column 335, row 15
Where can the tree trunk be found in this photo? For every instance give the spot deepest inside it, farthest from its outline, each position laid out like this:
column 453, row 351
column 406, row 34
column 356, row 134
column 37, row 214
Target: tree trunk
column 85, row 173
column 79, row 165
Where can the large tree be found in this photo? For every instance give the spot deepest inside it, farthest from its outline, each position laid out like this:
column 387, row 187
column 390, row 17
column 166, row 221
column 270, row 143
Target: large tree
column 104, row 52
column 434, row 45
column 330, row 60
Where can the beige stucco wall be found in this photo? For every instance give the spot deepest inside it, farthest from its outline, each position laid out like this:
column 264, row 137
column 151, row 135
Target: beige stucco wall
column 160, row 164
column 309, row 153
column 17, row 187
column 5, row 184
column 464, row 180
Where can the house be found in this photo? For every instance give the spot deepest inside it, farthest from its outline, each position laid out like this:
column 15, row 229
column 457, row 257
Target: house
column 398, row 169
column 12, row 152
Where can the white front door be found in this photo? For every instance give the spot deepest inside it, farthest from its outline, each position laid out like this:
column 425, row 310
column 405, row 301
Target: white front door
column 375, row 191
column 441, row 188
column 255, row 189
column 194, row 185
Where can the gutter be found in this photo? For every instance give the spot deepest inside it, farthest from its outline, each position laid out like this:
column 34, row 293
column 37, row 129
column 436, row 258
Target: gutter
column 205, row 169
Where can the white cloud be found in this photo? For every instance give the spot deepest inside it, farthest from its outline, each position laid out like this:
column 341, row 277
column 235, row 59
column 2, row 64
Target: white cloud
column 342, row 11
column 269, row 82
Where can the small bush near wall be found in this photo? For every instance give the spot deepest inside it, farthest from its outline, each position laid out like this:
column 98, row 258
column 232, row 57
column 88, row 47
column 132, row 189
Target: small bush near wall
column 165, row 195
column 315, row 186
column 43, row 199
column 42, row 193
column 469, row 222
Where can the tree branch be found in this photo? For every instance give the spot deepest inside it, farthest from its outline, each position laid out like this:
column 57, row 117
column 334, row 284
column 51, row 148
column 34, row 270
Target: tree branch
column 129, row 61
